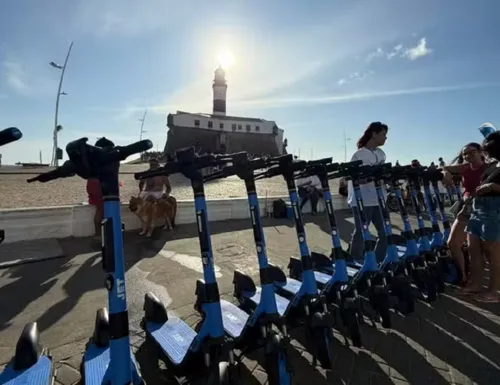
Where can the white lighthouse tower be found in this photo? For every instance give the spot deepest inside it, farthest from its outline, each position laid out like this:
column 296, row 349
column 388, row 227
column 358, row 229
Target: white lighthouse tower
column 220, row 91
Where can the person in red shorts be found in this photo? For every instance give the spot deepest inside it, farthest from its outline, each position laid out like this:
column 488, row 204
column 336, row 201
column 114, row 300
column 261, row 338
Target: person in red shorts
column 94, row 191
column 470, row 165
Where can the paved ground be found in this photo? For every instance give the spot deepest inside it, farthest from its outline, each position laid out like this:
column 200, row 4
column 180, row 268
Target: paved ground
column 453, row 341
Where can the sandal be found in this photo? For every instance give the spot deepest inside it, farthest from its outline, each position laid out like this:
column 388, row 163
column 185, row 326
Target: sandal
column 470, row 290
column 487, row 298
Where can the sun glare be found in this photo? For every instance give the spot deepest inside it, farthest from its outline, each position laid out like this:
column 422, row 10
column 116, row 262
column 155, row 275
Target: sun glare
column 225, row 59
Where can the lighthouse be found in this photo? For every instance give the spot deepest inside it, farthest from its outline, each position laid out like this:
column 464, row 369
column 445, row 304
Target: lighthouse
column 220, row 89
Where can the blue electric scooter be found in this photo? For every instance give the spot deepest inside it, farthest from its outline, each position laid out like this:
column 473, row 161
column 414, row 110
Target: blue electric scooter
column 32, row 362
column 406, row 242
column 266, row 308
column 333, row 286
column 414, row 176
column 306, row 304
column 364, row 278
column 107, row 358
column 207, row 354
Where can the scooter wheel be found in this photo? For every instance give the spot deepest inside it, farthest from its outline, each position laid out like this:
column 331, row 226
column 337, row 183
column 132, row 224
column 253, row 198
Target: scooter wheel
column 401, row 288
column 351, row 322
column 276, row 362
column 322, row 339
column 426, row 283
column 224, row 374
column 439, row 276
column 379, row 300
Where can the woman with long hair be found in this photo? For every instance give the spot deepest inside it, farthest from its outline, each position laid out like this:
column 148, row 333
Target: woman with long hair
column 370, row 153
column 484, row 225
column 470, row 165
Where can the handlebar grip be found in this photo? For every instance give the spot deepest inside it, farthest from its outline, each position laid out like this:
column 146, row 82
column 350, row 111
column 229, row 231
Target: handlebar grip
column 10, row 135
column 354, row 163
column 134, row 148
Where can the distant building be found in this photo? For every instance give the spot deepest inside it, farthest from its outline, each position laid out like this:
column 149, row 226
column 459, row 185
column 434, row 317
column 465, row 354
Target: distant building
column 219, row 133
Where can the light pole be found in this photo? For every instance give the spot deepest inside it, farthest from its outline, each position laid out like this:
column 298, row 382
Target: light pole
column 57, row 128
column 142, row 120
column 346, row 139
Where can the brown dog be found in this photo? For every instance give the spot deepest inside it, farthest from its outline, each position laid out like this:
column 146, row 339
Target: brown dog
column 149, row 210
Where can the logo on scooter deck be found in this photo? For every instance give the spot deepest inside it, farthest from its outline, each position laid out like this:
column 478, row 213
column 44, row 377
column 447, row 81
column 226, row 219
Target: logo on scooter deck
column 120, row 286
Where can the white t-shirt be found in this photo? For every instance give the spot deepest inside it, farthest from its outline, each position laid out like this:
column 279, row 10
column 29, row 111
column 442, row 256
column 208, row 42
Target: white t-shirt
column 368, row 192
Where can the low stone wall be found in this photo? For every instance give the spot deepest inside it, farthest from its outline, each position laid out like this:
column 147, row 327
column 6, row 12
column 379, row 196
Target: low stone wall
column 77, row 221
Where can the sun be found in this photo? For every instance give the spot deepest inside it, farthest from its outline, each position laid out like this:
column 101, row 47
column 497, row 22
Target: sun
column 225, row 59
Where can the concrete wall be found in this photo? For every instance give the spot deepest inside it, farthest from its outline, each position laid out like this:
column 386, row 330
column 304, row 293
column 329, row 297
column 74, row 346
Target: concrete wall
column 77, row 221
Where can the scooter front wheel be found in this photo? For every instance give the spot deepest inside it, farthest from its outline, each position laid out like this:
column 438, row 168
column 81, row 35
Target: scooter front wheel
column 276, row 363
column 321, row 337
column 225, row 373
column 379, row 300
column 401, row 288
column 426, row 284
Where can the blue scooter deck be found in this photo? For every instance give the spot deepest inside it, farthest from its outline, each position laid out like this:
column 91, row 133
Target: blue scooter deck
column 96, row 363
column 233, row 318
column 174, row 337
column 281, row 303
column 38, row 374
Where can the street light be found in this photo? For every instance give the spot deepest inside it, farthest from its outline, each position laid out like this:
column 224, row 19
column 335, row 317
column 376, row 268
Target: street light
column 142, row 120
column 346, row 139
column 57, row 127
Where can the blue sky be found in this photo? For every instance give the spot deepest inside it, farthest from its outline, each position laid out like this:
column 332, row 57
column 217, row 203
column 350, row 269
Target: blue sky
column 429, row 69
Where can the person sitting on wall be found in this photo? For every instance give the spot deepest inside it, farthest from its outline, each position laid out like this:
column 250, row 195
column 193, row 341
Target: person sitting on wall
column 154, row 188
column 309, row 189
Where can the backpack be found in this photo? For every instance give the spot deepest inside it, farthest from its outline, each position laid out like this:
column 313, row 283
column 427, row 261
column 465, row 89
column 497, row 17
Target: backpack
column 279, row 208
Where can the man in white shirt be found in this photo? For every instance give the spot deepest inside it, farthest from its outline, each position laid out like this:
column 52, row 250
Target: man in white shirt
column 369, row 153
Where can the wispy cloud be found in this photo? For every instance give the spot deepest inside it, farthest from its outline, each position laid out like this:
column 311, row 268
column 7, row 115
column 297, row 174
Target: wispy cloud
column 420, row 50
column 16, row 78
column 351, row 97
column 412, row 53
column 355, row 77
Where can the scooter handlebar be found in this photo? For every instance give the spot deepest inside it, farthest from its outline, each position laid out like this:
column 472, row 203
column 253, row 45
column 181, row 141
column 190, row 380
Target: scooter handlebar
column 66, row 170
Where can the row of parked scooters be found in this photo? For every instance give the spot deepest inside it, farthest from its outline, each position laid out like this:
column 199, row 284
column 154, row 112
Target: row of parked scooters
column 320, row 292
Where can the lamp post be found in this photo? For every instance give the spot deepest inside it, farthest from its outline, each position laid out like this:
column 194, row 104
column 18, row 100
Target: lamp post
column 346, row 139
column 57, row 128
column 142, row 120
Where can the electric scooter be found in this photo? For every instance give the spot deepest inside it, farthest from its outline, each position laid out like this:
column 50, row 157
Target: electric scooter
column 206, row 354
column 265, row 307
column 415, row 260
column 364, row 278
column 306, row 304
column 108, row 358
column 32, row 362
column 345, row 302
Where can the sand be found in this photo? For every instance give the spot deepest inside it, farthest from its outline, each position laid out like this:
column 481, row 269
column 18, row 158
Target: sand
column 15, row 192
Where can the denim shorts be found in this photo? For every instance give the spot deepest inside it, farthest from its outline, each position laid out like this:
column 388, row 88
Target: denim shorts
column 484, row 221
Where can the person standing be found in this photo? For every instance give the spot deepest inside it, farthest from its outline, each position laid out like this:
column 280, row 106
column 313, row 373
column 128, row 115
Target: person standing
column 442, row 163
column 470, row 166
column 370, row 153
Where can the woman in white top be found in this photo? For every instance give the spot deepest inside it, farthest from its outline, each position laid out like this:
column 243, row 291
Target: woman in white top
column 370, row 153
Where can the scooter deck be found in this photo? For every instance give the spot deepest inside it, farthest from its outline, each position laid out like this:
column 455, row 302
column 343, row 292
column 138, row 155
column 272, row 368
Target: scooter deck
column 174, row 337
column 96, row 364
column 39, row 374
column 233, row 318
column 281, row 302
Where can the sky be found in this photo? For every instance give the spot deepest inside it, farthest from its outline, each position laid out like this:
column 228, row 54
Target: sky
column 428, row 69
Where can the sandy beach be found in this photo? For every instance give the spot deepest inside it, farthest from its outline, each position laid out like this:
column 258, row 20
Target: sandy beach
column 15, row 192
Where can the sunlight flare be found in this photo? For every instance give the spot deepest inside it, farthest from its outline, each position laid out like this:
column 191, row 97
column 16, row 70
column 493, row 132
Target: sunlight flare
column 225, row 59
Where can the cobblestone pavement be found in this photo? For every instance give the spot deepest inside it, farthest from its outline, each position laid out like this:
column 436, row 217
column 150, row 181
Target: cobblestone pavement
column 454, row 340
